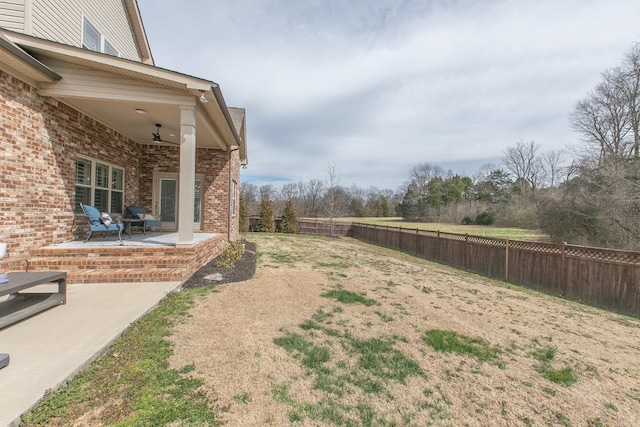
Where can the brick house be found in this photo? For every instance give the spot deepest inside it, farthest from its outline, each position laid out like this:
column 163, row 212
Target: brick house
column 80, row 105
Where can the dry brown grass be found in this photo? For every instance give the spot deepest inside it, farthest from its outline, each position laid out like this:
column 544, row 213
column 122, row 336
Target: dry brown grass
column 230, row 340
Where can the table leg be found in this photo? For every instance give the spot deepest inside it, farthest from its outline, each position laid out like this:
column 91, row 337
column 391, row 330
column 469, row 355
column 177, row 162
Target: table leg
column 62, row 289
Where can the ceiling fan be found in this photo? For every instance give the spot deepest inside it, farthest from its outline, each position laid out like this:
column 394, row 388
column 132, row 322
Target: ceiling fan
column 158, row 139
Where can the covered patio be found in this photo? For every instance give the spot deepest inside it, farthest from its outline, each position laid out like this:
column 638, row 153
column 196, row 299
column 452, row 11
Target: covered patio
column 111, row 132
column 115, row 133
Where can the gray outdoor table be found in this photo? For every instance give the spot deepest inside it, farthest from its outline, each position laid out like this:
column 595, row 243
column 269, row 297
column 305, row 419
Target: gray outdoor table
column 22, row 305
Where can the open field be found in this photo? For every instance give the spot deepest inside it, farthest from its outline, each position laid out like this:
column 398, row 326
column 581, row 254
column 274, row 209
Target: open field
column 477, row 230
column 335, row 332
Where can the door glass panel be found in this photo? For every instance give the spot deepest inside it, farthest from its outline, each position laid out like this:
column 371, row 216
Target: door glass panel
column 168, row 200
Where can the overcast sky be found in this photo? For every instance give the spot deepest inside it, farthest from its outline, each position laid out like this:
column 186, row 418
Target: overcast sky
column 375, row 87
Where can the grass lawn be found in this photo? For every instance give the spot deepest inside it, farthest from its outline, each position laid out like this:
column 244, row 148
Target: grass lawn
column 333, row 332
column 477, row 230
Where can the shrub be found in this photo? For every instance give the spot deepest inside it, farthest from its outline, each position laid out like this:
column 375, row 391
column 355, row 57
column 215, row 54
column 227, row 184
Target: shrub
column 485, row 218
column 230, row 255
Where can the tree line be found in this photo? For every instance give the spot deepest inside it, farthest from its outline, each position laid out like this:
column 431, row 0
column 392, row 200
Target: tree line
column 587, row 193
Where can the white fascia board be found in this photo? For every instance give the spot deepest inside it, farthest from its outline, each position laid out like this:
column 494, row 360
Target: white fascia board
column 89, row 58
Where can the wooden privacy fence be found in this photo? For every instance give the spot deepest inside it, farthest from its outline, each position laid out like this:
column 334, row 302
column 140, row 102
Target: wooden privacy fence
column 313, row 227
column 316, row 227
column 595, row 276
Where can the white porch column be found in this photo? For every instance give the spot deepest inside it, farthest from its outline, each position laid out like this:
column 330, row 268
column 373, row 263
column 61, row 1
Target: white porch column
column 187, row 175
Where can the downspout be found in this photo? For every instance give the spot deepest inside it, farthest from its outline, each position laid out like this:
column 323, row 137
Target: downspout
column 231, row 150
column 225, row 111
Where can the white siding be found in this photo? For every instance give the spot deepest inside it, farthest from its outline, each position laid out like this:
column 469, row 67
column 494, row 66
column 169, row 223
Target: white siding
column 61, row 21
column 12, row 15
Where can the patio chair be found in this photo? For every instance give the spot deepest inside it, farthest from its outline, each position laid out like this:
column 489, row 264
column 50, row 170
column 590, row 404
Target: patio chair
column 96, row 223
column 145, row 220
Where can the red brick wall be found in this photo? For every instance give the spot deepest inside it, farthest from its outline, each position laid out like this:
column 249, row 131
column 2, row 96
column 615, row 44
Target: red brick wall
column 214, row 165
column 39, row 141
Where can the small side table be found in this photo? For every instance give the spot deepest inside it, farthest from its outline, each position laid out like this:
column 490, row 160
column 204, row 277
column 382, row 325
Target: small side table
column 127, row 225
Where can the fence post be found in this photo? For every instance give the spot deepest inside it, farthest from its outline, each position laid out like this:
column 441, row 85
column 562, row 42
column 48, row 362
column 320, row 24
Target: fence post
column 415, row 250
column 466, row 251
column 563, row 280
column 506, row 261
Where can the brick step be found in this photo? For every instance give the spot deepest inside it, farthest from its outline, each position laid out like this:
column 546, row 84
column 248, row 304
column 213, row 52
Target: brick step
column 110, row 262
column 124, row 251
column 125, row 275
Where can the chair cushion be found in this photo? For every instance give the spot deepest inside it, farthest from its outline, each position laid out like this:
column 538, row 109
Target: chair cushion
column 93, row 214
column 135, row 211
column 103, row 227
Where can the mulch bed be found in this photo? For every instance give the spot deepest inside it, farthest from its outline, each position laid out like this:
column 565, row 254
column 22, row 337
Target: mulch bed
column 210, row 274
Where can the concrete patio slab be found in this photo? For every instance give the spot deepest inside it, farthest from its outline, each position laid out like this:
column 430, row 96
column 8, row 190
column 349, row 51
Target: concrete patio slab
column 137, row 239
column 51, row 347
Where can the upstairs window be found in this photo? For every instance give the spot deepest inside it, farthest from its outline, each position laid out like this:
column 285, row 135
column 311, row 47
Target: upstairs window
column 91, row 37
column 110, row 50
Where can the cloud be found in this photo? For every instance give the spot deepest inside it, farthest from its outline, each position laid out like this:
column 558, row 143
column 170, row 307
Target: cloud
column 378, row 86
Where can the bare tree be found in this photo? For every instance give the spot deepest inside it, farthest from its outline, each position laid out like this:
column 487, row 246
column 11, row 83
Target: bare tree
column 550, row 162
column 249, row 193
column 602, row 117
column 631, row 92
column 523, row 163
column 311, row 194
column 334, row 202
column 423, row 173
column 598, row 203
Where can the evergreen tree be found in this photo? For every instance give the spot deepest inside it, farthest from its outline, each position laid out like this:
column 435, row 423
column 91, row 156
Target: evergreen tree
column 289, row 222
column 386, row 210
column 266, row 222
column 378, row 208
column 243, row 216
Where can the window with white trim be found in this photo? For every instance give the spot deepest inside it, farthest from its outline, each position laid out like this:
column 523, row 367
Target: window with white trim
column 92, row 39
column 99, row 184
column 109, row 49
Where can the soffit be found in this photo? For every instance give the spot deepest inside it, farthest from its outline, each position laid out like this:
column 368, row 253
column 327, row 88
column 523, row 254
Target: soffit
column 91, row 82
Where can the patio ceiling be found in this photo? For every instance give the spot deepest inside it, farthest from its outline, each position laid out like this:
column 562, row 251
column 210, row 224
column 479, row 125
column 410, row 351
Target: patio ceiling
column 131, row 97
